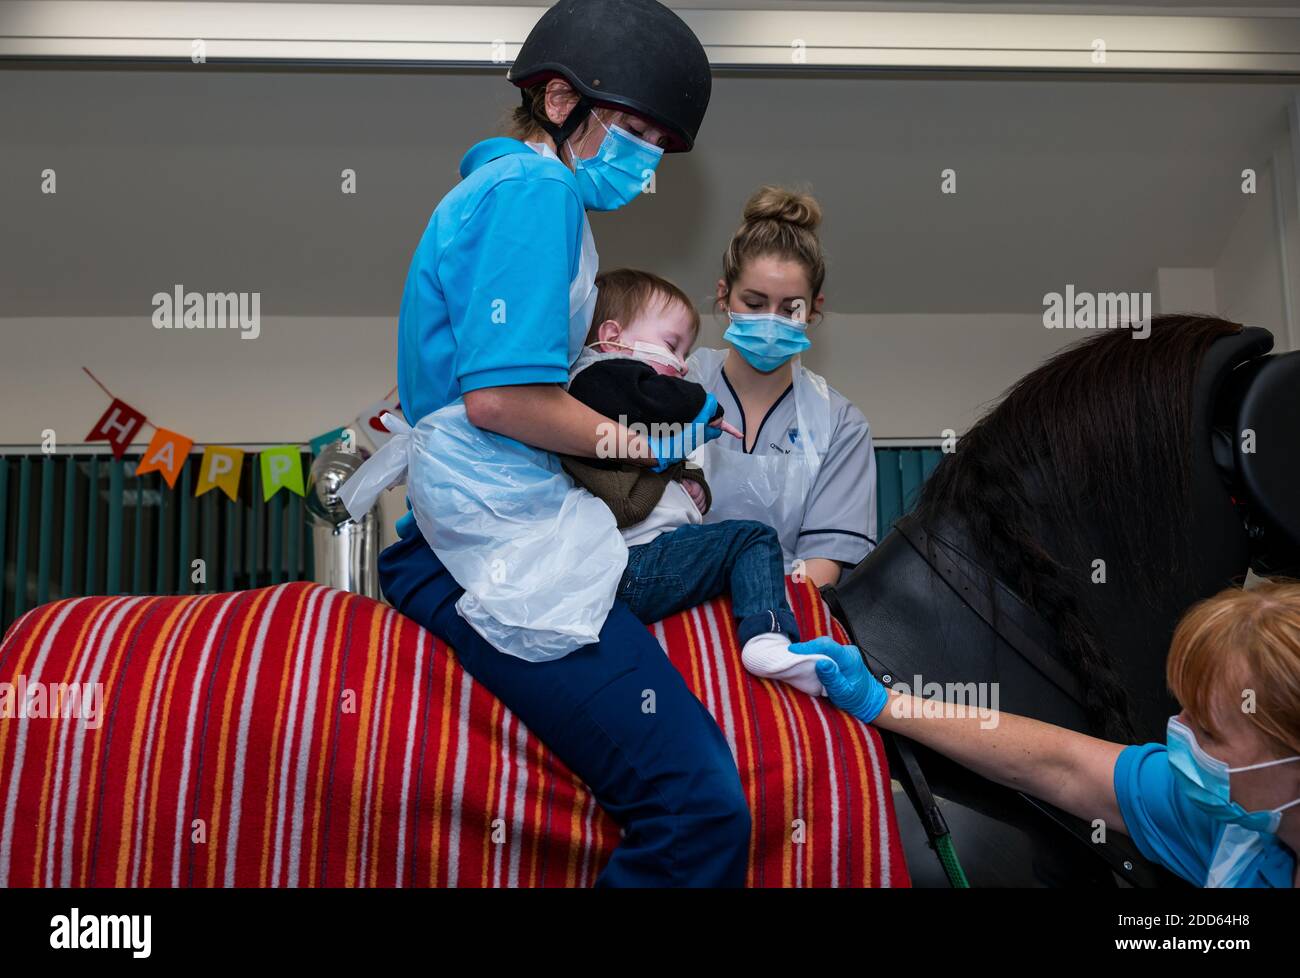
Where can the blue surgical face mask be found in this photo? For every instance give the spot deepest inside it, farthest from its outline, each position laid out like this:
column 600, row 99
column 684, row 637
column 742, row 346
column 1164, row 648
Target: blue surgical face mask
column 766, row 340
column 618, row 171
column 1204, row 781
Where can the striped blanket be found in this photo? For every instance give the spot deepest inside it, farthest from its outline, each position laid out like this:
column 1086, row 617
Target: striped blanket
column 299, row 735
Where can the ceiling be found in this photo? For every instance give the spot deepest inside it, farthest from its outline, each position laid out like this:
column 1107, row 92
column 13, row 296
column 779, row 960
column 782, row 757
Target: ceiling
column 1239, row 8
column 1062, row 6
column 228, row 180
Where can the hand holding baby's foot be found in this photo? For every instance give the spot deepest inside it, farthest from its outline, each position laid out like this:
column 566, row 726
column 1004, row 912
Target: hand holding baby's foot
column 848, row 682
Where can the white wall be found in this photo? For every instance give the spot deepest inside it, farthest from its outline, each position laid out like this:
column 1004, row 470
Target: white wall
column 912, row 375
column 954, row 365
column 1249, row 273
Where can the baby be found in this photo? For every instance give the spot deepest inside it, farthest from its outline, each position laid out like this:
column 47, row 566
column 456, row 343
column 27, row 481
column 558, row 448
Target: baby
column 632, row 371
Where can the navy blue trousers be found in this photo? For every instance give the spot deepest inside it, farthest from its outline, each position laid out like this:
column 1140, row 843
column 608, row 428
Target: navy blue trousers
column 623, row 720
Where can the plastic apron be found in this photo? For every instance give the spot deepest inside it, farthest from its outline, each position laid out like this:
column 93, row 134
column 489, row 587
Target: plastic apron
column 773, row 488
column 539, row 558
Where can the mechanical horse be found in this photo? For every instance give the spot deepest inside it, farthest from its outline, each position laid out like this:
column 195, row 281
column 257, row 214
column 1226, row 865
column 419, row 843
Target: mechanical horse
column 1053, row 553
column 299, row 735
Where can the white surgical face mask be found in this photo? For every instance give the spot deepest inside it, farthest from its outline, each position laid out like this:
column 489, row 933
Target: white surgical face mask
column 662, row 359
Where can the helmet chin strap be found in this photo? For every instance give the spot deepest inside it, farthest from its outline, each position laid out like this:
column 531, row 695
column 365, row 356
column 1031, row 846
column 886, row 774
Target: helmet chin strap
column 566, row 129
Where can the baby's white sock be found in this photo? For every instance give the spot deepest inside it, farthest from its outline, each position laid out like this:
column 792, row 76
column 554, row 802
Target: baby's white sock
column 769, row 656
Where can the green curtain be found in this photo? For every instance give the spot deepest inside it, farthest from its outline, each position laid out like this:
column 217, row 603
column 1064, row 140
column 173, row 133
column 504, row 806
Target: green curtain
column 84, row 524
column 74, row 525
column 899, row 475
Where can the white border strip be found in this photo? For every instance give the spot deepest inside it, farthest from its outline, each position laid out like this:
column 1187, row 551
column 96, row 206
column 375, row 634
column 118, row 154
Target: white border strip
column 770, row 39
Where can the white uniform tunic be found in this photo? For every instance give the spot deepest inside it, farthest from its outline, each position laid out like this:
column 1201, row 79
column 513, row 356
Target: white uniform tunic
column 811, row 474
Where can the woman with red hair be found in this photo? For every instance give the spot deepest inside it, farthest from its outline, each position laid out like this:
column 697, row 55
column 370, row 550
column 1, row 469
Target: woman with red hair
column 1218, row 803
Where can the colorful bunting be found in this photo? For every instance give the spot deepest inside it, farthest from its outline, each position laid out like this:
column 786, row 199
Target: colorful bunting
column 166, row 454
column 320, row 442
column 221, row 467
column 281, row 469
column 117, row 426
column 369, row 423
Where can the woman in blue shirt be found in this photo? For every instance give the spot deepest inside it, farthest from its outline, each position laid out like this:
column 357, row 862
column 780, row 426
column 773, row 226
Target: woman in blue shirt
column 497, row 306
column 1218, row 803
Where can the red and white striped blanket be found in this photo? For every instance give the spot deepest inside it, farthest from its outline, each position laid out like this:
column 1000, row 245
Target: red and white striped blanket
column 299, row 735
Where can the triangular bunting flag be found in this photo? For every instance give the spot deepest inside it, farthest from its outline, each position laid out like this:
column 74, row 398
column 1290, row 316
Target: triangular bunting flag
column 281, row 469
column 166, row 454
column 368, row 422
column 319, row 443
column 221, row 467
column 117, row 426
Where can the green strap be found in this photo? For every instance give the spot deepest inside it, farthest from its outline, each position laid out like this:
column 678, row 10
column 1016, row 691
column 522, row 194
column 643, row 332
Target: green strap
column 943, row 845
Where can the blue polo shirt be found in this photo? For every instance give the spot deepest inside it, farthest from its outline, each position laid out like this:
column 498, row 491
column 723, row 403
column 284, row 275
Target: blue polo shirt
column 486, row 302
column 1170, row 830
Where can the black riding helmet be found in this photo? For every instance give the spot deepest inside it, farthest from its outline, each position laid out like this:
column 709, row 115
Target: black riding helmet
column 630, row 54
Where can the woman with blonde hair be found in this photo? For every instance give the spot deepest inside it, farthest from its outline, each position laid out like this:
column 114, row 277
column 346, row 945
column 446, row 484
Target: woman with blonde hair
column 1218, row 803
column 805, row 465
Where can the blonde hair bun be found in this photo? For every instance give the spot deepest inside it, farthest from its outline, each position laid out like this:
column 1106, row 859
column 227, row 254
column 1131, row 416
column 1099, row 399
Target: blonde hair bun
column 782, row 223
column 770, row 203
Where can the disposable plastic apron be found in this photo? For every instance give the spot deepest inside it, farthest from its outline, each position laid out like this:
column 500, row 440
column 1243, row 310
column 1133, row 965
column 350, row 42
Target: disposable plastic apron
column 773, row 488
column 469, row 477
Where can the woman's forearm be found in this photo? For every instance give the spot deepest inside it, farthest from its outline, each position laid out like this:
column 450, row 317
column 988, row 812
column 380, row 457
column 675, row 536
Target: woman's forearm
column 546, row 416
column 1067, row 769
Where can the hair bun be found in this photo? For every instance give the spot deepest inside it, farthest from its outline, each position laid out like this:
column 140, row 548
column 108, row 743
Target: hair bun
column 770, row 203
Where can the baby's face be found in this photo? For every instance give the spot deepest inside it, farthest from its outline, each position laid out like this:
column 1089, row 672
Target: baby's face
column 665, row 325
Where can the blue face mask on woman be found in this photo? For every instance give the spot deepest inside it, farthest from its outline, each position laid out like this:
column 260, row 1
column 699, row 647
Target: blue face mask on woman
column 766, row 340
column 1204, row 781
column 618, row 171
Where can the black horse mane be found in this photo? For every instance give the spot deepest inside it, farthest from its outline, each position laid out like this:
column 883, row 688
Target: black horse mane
column 1099, row 436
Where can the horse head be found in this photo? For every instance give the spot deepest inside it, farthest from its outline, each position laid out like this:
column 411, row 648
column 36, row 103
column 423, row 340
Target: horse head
column 1050, row 556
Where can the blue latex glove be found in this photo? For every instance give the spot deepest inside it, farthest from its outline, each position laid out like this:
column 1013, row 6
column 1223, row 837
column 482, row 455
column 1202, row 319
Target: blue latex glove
column 671, row 449
column 849, row 683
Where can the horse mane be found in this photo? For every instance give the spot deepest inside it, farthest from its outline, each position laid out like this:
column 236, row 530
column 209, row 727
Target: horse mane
column 1099, row 436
